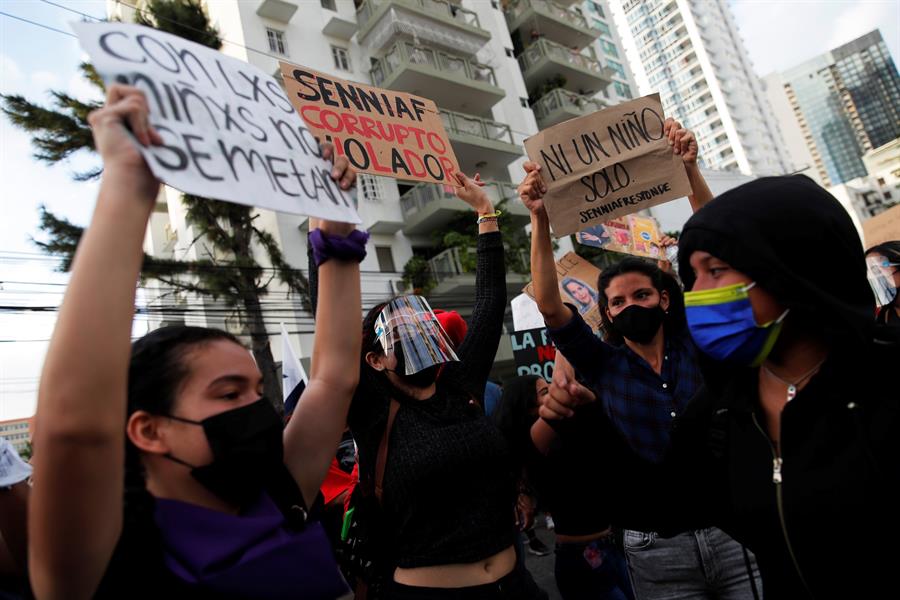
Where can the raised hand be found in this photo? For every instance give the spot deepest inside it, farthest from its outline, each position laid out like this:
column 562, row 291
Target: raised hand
column 682, row 140
column 532, row 189
column 341, row 172
column 471, row 191
column 125, row 109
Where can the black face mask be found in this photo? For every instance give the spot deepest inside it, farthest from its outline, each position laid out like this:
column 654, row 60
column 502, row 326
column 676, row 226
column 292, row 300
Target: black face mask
column 421, row 379
column 248, row 450
column 639, row 323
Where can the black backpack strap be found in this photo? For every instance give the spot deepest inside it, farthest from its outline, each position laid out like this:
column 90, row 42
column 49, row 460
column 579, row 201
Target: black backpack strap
column 381, row 460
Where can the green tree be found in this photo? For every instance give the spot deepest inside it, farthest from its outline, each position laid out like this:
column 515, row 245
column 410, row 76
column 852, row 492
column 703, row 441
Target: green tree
column 228, row 231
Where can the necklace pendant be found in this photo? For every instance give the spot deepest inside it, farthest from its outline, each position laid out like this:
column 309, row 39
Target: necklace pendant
column 791, row 392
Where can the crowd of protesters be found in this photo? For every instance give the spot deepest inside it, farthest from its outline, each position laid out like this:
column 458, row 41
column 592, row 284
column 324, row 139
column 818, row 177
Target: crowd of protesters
column 725, row 435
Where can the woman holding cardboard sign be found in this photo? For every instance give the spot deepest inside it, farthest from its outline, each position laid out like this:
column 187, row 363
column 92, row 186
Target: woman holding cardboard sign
column 160, row 471
column 644, row 379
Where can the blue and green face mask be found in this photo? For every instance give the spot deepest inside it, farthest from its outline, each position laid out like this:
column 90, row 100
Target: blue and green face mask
column 722, row 325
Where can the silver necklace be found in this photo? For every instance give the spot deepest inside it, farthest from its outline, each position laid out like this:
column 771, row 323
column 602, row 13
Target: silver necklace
column 793, row 385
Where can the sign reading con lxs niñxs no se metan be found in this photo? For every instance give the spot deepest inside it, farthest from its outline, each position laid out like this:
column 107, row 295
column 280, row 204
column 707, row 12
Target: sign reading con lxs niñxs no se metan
column 607, row 164
column 229, row 131
column 380, row 131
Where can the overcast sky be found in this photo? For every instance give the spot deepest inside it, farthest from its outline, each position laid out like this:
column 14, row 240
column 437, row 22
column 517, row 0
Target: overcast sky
column 778, row 33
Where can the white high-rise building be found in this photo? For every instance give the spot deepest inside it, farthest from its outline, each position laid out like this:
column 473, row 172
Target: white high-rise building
column 609, row 46
column 691, row 52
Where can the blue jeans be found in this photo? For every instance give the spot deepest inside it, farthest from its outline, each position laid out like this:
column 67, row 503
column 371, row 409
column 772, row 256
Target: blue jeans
column 592, row 571
column 695, row 565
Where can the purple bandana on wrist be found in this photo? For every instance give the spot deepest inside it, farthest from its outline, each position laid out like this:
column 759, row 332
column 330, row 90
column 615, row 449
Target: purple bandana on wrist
column 325, row 246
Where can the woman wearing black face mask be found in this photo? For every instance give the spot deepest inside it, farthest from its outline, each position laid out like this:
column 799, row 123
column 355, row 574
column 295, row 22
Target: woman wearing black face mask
column 448, row 482
column 215, row 490
column 643, row 378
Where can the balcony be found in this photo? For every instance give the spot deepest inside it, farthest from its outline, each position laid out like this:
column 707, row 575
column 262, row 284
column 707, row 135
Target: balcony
column 544, row 60
column 481, row 145
column 428, row 206
column 277, row 10
column 454, row 82
column 434, row 22
column 560, row 105
column 455, row 276
column 553, row 21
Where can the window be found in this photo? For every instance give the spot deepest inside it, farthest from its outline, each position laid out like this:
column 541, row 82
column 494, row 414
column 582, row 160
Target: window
column 622, row 90
column 510, row 53
column 495, row 5
column 602, row 27
column 385, row 259
column 617, row 68
column 370, row 187
column 595, row 6
column 276, row 41
column 523, row 102
column 329, row 4
column 341, row 58
column 609, row 48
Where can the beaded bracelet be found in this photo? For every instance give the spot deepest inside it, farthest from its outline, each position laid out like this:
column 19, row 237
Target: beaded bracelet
column 488, row 217
column 326, row 246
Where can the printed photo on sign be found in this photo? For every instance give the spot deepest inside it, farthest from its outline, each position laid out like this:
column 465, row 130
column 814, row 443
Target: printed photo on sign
column 380, row 131
column 608, row 164
column 577, row 286
column 635, row 235
column 229, row 131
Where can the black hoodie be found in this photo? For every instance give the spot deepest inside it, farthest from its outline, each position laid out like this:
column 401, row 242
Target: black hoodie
column 830, row 527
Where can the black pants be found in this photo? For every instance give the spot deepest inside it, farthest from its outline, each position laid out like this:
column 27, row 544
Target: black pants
column 518, row 585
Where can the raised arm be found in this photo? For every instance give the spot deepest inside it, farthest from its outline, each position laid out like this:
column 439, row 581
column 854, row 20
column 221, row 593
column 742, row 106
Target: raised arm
column 76, row 504
column 684, row 142
column 313, row 433
column 543, row 265
column 479, row 347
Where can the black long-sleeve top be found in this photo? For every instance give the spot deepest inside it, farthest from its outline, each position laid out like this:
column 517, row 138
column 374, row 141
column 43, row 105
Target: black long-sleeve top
column 449, row 484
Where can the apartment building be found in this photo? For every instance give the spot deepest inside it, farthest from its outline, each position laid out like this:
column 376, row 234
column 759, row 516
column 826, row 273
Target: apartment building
column 691, row 52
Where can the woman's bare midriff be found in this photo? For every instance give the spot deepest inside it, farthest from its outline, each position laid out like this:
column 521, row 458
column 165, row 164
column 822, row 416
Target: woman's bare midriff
column 459, row 575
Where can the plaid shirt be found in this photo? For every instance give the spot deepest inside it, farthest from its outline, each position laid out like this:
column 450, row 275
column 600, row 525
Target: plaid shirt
column 641, row 403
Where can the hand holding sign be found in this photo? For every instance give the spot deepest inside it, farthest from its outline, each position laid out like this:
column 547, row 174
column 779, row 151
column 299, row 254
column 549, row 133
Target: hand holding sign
column 381, row 131
column 126, row 106
column 532, row 189
column 228, row 130
column 608, row 164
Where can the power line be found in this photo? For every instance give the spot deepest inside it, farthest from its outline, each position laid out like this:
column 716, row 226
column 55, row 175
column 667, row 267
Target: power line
column 38, row 24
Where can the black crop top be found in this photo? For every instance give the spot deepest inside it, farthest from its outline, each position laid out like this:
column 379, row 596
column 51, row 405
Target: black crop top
column 449, row 489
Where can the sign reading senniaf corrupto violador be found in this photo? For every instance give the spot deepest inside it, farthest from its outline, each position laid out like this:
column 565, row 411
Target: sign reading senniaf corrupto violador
column 607, row 164
column 380, row 131
column 229, row 131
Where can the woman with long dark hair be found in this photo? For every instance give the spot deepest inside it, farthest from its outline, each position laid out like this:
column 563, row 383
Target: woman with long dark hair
column 160, row 470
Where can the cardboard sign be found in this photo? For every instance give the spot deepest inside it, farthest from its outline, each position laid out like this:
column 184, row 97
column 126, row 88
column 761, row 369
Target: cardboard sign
column 229, row 132
column 607, row 164
column 380, row 131
column 578, row 286
column 533, row 352
column 882, row 228
column 635, row 235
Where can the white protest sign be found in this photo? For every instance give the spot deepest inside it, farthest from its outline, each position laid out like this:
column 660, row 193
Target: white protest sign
column 229, row 131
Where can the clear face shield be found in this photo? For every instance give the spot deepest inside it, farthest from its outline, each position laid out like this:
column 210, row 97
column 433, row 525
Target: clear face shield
column 882, row 278
column 408, row 327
